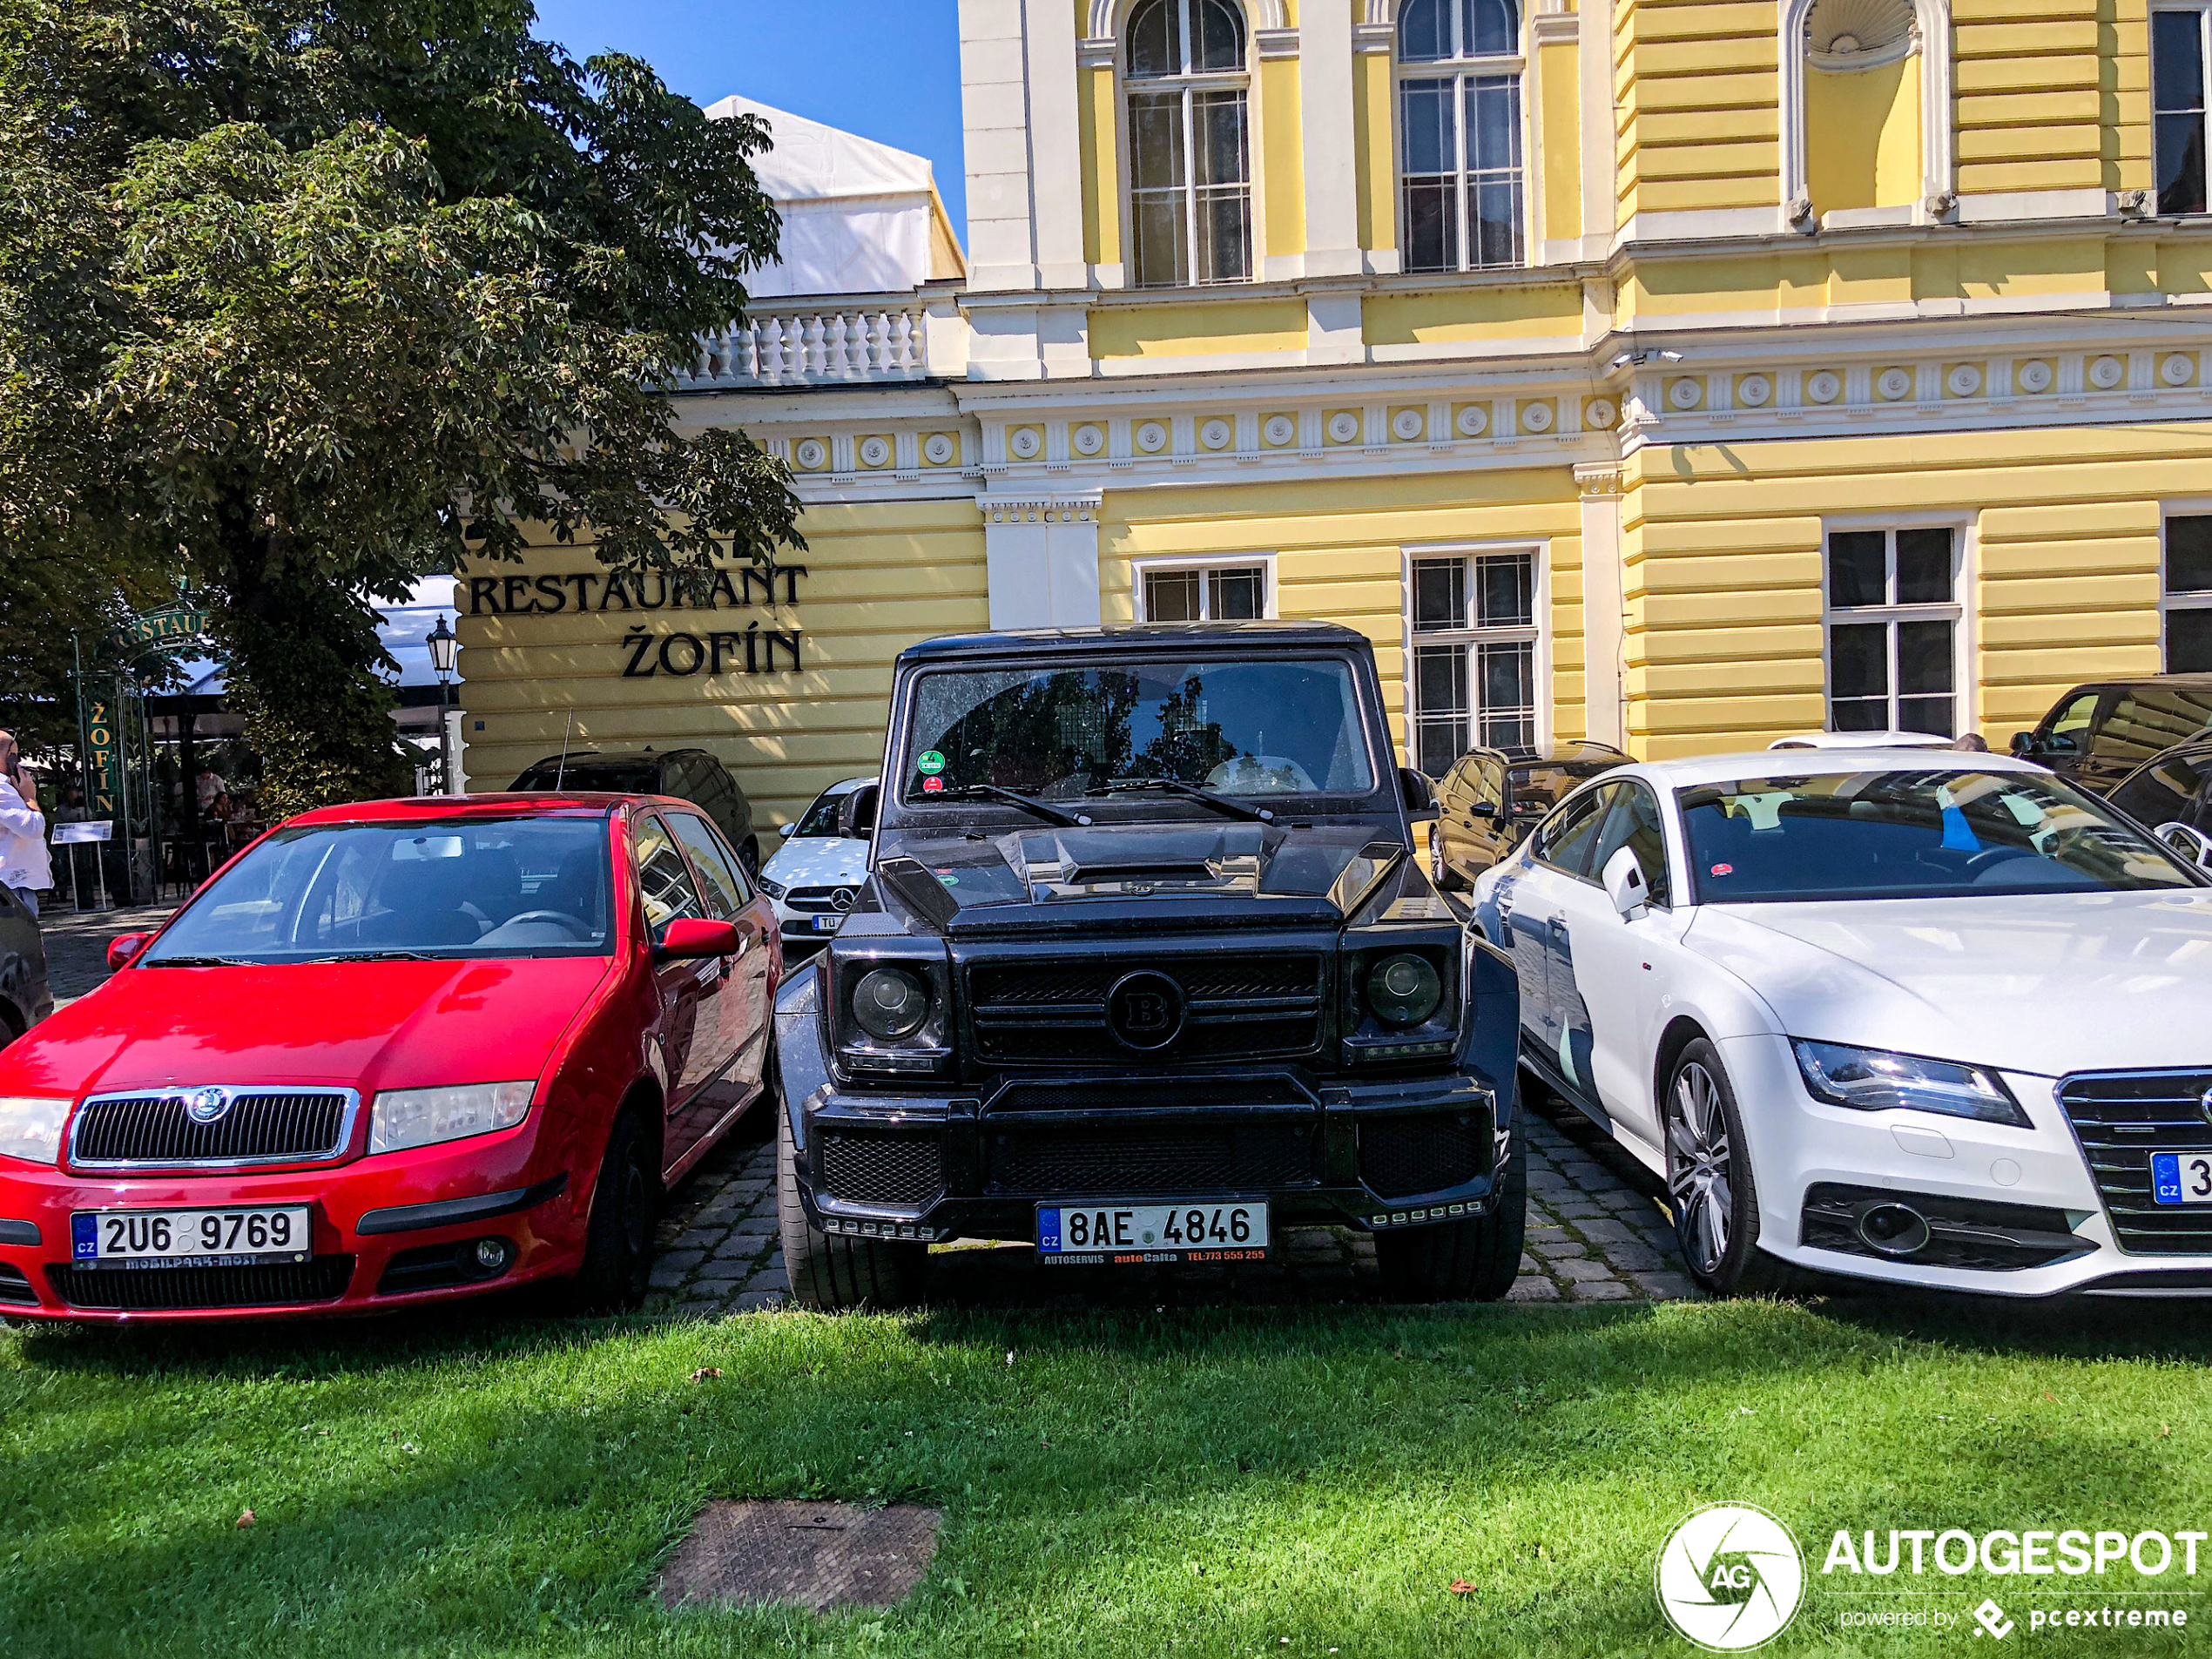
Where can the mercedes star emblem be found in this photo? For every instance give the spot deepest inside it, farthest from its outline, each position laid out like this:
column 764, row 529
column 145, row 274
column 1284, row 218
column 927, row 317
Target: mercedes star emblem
column 842, row 898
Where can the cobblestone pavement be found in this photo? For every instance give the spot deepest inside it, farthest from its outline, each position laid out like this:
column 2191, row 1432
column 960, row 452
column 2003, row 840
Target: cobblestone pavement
column 76, row 943
column 1596, row 1234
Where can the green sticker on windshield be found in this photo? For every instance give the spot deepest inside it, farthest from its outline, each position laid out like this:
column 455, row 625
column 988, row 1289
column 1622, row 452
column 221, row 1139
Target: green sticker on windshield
column 931, row 762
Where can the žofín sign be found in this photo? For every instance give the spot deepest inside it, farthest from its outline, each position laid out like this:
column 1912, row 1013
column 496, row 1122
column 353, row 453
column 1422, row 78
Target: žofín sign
column 648, row 653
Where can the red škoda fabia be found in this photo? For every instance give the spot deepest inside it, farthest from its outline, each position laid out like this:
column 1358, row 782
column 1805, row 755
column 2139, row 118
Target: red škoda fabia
column 392, row 1054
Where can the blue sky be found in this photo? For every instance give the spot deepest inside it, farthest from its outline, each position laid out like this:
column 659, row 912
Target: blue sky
column 885, row 69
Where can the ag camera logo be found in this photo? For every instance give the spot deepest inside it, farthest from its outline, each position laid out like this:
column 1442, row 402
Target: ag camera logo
column 1731, row 1578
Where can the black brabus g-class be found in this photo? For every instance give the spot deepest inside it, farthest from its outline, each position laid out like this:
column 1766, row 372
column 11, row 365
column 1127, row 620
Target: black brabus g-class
column 1145, row 970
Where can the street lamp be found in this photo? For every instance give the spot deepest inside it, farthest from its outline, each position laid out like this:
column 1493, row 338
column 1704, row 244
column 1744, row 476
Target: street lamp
column 442, row 646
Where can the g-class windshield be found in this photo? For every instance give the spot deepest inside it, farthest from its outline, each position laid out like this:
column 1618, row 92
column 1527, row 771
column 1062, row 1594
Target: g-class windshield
column 1244, row 727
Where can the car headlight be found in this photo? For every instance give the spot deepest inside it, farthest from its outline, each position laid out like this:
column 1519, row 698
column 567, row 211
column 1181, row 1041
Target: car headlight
column 773, row 889
column 1873, row 1080
column 890, row 1004
column 405, row 1118
column 30, row 1128
column 1404, row 989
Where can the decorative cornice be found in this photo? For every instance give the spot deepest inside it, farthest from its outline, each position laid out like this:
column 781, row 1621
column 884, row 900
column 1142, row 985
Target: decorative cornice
column 1373, row 37
column 1275, row 43
column 1096, row 54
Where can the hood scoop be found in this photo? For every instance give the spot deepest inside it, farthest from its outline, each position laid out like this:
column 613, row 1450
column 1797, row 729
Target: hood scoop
column 1094, row 871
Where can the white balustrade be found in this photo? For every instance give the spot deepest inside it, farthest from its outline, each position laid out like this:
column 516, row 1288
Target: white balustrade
column 781, row 348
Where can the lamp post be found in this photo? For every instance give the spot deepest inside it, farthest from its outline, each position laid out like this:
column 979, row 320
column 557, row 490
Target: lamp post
column 442, row 646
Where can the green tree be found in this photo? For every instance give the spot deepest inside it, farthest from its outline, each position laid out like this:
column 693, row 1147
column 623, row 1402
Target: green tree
column 311, row 300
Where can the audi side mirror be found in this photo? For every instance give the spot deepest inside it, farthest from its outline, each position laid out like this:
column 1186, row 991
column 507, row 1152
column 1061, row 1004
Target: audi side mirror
column 2193, row 844
column 1625, row 884
column 122, row 951
column 1419, row 794
column 689, row 937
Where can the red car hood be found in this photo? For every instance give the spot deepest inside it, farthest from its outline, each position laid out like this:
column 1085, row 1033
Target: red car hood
column 360, row 1025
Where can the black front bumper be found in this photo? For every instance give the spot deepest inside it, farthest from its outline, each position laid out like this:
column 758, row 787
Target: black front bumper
column 936, row 1164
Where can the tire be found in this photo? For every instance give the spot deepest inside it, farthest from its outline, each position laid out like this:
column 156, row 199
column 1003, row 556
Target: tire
column 1461, row 1261
column 1710, row 1188
column 1440, row 874
column 619, row 1240
column 832, row 1274
column 749, row 858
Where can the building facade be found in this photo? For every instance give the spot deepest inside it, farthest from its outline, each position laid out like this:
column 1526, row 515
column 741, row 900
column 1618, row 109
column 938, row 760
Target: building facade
column 1677, row 374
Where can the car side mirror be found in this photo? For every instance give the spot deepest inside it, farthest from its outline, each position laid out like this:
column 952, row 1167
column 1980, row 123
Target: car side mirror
column 856, row 812
column 1483, row 809
column 122, row 951
column 2193, row 844
column 785, row 831
column 1419, row 794
column 689, row 937
column 2023, row 744
column 1625, row 884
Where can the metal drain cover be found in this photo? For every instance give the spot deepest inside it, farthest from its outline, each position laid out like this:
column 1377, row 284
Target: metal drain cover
column 816, row 1555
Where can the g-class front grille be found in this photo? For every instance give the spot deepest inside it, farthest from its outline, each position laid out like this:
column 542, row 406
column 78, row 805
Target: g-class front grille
column 2121, row 1118
column 261, row 1126
column 1237, row 1006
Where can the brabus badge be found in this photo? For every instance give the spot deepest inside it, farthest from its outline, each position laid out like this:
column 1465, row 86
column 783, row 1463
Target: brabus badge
column 207, row 1105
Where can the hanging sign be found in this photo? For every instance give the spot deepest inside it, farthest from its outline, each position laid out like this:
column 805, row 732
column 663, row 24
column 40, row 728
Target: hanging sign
column 170, row 625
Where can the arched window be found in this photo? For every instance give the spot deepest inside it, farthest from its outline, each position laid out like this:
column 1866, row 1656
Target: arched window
column 1459, row 102
column 1190, row 178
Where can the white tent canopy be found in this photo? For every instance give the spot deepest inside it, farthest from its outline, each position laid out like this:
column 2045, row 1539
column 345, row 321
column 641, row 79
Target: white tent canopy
column 859, row 217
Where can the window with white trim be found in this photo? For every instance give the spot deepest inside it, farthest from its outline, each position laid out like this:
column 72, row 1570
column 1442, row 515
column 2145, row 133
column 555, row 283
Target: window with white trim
column 1204, row 593
column 2186, row 594
column 1475, row 634
column 1189, row 143
column 1462, row 186
column 2180, row 68
column 1892, row 623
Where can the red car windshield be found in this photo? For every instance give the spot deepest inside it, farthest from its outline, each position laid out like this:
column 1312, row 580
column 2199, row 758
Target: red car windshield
column 522, row 886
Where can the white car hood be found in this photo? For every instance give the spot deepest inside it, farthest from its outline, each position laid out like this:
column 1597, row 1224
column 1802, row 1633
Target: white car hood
column 818, row 862
column 2043, row 983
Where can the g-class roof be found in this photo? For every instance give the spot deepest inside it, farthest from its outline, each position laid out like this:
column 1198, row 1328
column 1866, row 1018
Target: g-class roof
column 1182, row 635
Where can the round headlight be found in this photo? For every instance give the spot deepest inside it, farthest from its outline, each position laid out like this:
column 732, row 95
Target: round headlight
column 1404, row 990
column 890, row 1003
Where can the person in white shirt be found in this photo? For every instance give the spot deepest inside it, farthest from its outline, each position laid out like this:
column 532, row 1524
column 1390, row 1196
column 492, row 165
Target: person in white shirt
column 25, row 865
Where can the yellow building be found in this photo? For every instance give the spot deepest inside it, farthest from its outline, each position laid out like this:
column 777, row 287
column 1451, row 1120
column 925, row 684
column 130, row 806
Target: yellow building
column 1679, row 375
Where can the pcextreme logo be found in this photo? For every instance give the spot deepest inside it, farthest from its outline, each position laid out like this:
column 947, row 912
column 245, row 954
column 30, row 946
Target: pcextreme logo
column 1730, row 1577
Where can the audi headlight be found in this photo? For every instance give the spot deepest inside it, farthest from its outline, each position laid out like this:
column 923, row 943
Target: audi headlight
column 890, row 1004
column 405, row 1118
column 1873, row 1080
column 1404, row 989
column 30, row 1128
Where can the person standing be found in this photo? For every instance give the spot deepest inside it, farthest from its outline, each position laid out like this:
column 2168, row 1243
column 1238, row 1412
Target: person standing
column 25, row 863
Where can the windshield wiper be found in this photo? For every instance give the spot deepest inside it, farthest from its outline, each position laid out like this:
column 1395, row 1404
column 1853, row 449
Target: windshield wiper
column 1043, row 809
column 372, row 957
column 1192, row 792
column 200, row 961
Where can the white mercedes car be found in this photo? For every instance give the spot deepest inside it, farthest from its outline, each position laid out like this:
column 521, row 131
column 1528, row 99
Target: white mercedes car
column 1937, row 1020
column 815, row 874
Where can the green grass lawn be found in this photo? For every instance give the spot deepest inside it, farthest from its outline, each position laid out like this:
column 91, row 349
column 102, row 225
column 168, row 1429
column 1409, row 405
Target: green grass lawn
column 1228, row 1481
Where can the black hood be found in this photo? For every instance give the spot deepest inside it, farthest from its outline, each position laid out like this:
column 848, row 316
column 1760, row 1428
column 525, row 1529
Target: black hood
column 1169, row 874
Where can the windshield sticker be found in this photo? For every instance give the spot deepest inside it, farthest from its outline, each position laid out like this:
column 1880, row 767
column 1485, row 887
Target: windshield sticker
column 930, row 763
column 932, row 785
column 1724, row 869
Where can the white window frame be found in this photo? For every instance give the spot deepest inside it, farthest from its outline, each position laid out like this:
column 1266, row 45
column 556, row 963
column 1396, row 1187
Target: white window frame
column 1459, row 70
column 2202, row 12
column 1190, row 83
column 2189, row 600
column 1538, row 632
column 1965, row 710
column 1139, row 568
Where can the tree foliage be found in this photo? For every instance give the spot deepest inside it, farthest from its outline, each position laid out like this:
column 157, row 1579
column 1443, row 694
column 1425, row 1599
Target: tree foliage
column 313, row 299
